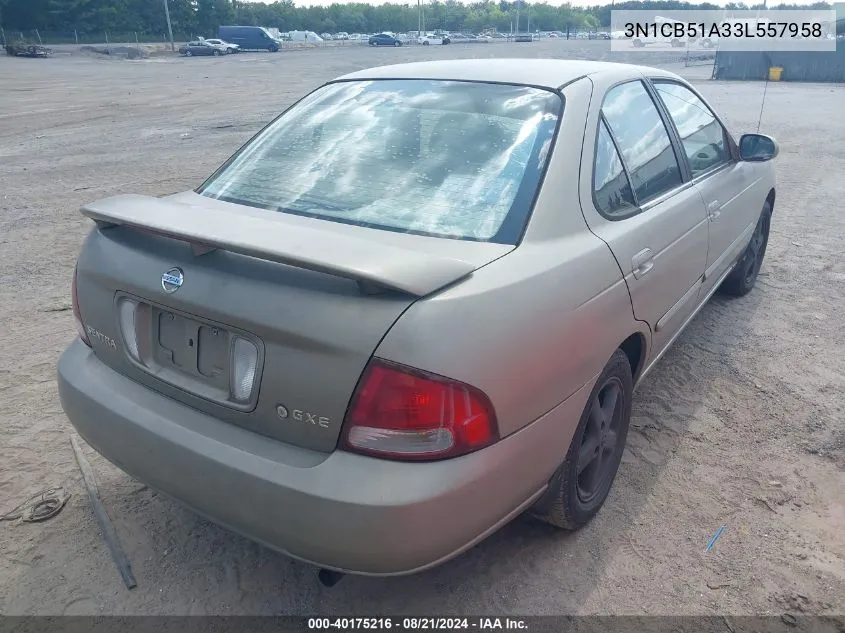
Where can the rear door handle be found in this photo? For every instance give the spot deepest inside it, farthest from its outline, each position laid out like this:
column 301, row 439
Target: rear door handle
column 642, row 262
column 714, row 209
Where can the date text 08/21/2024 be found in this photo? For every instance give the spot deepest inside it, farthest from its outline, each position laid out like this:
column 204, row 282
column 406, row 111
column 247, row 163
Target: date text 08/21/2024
column 416, row 624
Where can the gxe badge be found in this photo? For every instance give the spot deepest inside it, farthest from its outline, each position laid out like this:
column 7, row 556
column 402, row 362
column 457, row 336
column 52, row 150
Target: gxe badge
column 172, row 280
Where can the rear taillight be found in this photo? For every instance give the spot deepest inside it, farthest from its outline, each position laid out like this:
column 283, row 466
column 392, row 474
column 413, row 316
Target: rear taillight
column 77, row 315
column 402, row 413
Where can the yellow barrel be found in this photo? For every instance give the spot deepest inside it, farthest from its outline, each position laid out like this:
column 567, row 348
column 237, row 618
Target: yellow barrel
column 775, row 72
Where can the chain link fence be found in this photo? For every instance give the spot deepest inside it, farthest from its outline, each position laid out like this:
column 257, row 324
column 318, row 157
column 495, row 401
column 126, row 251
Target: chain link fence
column 97, row 38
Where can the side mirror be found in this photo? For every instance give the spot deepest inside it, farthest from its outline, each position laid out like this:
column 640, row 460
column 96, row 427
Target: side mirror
column 757, row 148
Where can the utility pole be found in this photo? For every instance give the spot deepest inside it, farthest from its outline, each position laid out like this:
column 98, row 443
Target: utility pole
column 517, row 16
column 169, row 27
column 419, row 19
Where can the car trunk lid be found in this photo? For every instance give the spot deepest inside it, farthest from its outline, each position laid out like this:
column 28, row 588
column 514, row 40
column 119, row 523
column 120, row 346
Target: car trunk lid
column 314, row 297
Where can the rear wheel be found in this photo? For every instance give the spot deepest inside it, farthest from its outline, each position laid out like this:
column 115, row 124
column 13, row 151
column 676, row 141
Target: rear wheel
column 216, row 53
column 744, row 275
column 397, row 43
column 581, row 484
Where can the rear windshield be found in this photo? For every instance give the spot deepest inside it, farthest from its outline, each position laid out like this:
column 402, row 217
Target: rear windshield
column 452, row 159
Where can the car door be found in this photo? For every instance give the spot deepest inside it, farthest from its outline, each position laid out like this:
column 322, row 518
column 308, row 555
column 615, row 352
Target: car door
column 726, row 184
column 639, row 201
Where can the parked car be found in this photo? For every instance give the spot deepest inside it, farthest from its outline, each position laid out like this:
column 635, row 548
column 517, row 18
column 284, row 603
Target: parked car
column 24, row 49
column 383, row 39
column 202, row 47
column 313, row 364
column 326, row 36
column 230, row 48
column 427, row 40
column 523, row 37
column 249, row 38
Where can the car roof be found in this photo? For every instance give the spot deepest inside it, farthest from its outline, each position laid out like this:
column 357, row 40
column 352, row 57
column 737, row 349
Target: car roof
column 546, row 73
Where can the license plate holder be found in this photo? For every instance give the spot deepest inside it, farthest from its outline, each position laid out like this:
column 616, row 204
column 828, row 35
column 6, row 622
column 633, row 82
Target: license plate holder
column 194, row 348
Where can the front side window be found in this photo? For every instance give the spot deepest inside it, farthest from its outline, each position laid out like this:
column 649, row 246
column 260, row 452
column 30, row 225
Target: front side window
column 703, row 137
column 447, row 158
column 643, row 140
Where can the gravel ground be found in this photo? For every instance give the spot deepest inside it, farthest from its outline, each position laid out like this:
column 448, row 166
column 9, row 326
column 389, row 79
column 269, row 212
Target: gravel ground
column 741, row 424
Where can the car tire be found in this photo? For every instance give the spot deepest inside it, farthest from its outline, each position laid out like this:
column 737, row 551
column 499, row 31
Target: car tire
column 188, row 54
column 216, row 53
column 572, row 499
column 426, row 43
column 638, row 43
column 397, row 43
column 744, row 275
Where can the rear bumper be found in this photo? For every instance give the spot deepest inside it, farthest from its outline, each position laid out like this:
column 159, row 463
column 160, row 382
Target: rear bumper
column 340, row 510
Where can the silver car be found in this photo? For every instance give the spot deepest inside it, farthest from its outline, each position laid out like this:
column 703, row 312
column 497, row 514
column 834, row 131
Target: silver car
column 230, row 48
column 415, row 305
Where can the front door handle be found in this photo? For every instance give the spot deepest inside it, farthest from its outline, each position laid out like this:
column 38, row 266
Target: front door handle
column 714, row 209
column 642, row 262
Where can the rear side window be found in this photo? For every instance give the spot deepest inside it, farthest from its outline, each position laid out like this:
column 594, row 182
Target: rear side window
column 450, row 159
column 643, row 140
column 611, row 188
column 703, row 137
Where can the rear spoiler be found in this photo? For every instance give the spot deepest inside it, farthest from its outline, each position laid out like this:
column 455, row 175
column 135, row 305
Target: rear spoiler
column 269, row 236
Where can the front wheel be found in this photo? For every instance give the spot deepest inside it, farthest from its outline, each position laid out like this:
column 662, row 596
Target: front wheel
column 744, row 275
column 188, row 53
column 581, row 484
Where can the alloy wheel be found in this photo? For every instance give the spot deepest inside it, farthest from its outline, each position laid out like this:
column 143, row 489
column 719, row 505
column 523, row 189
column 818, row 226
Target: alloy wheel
column 756, row 249
column 596, row 464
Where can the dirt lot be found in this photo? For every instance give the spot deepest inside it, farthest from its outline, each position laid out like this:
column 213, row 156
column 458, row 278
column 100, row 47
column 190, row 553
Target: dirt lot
column 740, row 425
